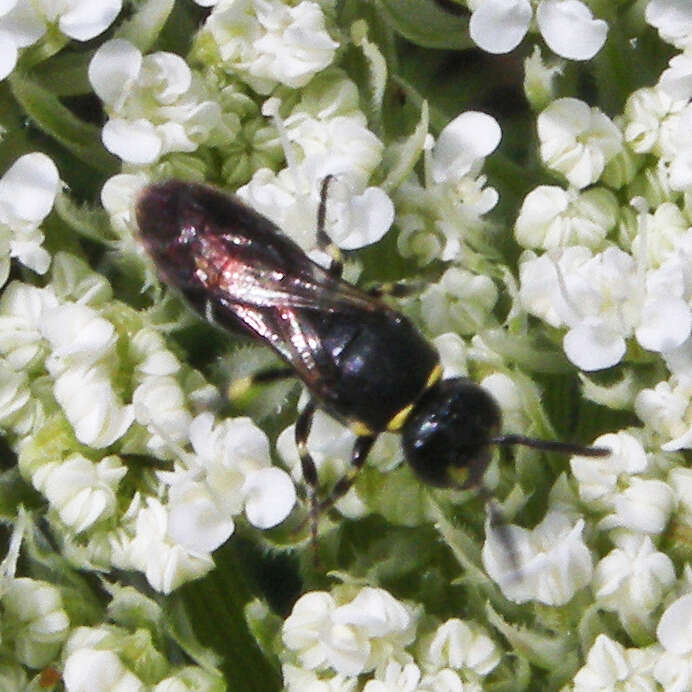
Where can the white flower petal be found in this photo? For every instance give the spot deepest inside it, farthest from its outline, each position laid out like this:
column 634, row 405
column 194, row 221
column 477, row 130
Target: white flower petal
column 569, row 28
column 113, row 69
column 270, row 496
column 86, row 18
column 674, row 631
column 8, row 53
column 665, row 324
column 498, row 26
column 134, row 141
column 29, row 187
column 463, row 141
column 593, row 346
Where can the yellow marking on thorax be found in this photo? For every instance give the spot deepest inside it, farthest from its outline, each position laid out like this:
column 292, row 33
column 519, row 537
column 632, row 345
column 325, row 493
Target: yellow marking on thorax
column 434, row 376
column 398, row 419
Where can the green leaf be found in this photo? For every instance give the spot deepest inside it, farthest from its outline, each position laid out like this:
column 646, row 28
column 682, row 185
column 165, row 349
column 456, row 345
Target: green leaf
column 426, row 24
column 80, row 138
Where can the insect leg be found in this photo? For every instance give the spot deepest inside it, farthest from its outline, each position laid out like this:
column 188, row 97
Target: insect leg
column 302, row 431
column 396, row 289
column 361, row 449
column 323, row 240
column 238, row 388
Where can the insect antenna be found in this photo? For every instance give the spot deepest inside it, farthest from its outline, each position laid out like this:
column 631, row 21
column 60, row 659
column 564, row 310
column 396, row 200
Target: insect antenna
column 550, row 445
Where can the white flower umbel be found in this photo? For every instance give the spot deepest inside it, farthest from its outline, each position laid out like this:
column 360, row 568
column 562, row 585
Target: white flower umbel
column 96, row 669
column 27, row 193
column 265, row 42
column 577, row 140
column 635, row 503
column 673, row 668
column 231, row 472
column 552, row 560
column 349, row 633
column 567, row 26
column 155, row 103
column 23, row 23
column 632, row 580
column 609, row 666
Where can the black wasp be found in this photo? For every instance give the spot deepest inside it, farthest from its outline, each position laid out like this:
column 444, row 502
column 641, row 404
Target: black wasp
column 362, row 362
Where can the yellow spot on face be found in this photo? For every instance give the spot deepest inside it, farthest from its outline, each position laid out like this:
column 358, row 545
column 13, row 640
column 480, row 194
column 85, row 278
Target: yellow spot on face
column 239, row 388
column 434, row 376
column 399, row 418
column 458, row 475
column 359, row 428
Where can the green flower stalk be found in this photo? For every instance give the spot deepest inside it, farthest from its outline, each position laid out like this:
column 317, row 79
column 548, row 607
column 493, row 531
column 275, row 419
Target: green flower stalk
column 525, row 169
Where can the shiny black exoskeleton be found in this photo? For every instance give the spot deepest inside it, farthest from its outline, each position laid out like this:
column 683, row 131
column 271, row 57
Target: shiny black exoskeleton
column 362, row 362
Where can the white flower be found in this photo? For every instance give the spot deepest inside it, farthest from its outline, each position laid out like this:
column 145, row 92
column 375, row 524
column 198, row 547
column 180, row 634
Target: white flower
column 635, row 503
column 78, row 336
column 352, row 638
column 598, row 297
column 567, row 26
column 553, row 562
column 600, row 479
column 462, row 146
column 16, row 409
column 680, row 480
column 551, row 217
column 647, row 120
column 89, row 669
column 577, row 140
column 265, row 41
column 24, row 23
column 159, row 404
column 95, row 412
column 673, row 19
column 453, row 354
column 22, row 308
column 396, row 677
column 148, row 348
column 633, row 578
column 153, row 551
column 674, row 667
column 676, row 81
column 316, row 145
column 458, row 644
column 232, row 473
column 27, row 192
column 33, row 610
column 610, row 666
column 81, row 491
column 664, row 409
column 154, row 102
column 460, row 300
column 300, row 680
